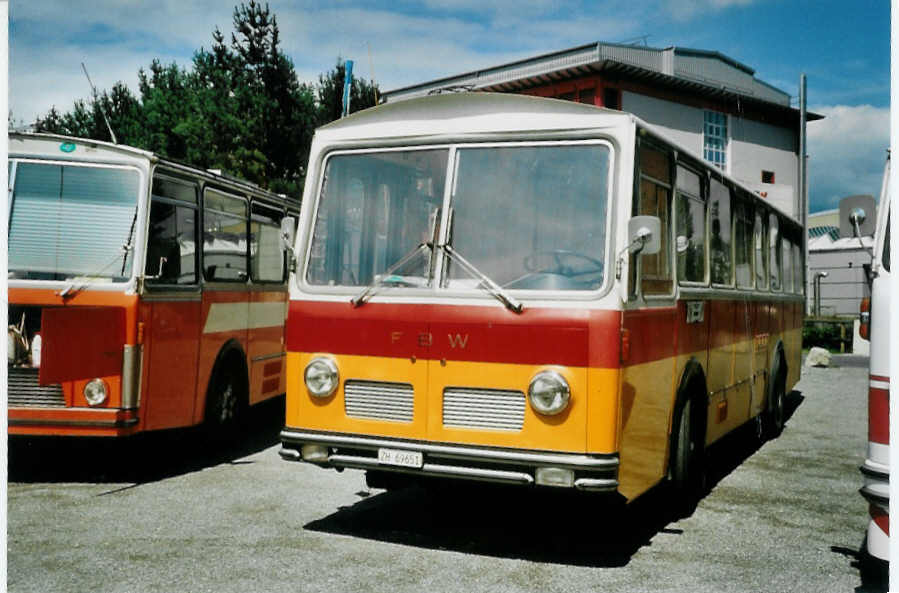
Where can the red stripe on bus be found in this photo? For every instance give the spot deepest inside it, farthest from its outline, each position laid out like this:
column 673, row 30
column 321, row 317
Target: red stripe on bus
column 879, row 378
column 879, row 415
column 569, row 337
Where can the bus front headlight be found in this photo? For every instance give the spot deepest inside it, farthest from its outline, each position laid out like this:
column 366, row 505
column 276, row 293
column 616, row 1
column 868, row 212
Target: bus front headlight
column 96, row 392
column 321, row 377
column 549, row 393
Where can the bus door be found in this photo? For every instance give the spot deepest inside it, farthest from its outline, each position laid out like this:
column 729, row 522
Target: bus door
column 268, row 304
column 226, row 295
column 171, row 303
column 651, row 324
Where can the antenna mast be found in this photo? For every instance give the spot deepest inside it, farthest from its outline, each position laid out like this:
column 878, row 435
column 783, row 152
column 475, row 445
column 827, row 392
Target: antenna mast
column 102, row 111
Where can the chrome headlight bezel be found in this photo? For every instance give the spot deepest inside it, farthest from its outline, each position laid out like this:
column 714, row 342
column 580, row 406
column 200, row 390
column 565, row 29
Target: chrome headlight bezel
column 549, row 393
column 96, row 392
column 321, row 377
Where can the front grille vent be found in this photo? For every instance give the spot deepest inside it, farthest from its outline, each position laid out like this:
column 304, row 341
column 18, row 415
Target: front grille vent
column 377, row 400
column 24, row 391
column 491, row 409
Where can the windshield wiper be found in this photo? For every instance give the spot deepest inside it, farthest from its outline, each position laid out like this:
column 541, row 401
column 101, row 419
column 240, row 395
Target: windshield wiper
column 494, row 289
column 387, row 276
column 79, row 283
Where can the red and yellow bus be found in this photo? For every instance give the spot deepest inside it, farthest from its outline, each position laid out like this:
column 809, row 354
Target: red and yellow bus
column 143, row 294
column 534, row 292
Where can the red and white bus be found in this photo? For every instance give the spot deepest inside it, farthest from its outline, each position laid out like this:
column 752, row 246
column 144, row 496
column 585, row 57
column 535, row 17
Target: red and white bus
column 143, row 294
column 875, row 325
column 534, row 292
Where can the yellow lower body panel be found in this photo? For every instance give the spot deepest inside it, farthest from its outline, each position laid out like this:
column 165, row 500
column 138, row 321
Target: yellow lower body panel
column 588, row 425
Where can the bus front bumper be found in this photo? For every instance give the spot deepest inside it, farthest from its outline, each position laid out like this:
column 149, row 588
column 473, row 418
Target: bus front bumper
column 597, row 473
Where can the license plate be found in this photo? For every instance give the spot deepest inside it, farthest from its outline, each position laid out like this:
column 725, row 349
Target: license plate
column 400, row 458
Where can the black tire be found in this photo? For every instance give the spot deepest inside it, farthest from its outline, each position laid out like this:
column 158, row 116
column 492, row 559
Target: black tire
column 226, row 401
column 687, row 471
column 774, row 416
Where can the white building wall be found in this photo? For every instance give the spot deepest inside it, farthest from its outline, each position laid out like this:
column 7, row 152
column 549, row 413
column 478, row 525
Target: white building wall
column 753, row 147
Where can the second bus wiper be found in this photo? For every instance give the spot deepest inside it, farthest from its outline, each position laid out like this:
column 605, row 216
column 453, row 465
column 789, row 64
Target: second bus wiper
column 487, row 284
column 385, row 278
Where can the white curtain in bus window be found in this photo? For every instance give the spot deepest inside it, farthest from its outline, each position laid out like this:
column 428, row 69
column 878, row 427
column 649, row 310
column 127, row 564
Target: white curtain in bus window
column 743, row 243
column 531, row 217
column 690, row 232
column 224, row 237
column 798, row 270
column 720, row 240
column 761, row 251
column 72, row 221
column 266, row 255
column 374, row 209
column 775, row 254
column 786, row 252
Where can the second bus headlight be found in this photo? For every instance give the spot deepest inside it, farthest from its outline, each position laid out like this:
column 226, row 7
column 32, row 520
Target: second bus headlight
column 321, row 377
column 549, row 392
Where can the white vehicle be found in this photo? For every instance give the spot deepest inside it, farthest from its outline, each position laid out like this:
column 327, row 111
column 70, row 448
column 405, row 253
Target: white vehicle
column 875, row 324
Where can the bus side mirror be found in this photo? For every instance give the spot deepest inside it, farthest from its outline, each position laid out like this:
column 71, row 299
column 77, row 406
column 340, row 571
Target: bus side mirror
column 644, row 235
column 288, row 237
column 288, row 233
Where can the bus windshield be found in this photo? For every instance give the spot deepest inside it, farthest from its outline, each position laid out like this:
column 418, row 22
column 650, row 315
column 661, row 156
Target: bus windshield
column 70, row 221
column 528, row 217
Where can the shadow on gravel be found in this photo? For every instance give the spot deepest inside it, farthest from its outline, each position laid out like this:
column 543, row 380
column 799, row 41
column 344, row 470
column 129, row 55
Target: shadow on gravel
column 141, row 458
column 549, row 526
column 874, row 573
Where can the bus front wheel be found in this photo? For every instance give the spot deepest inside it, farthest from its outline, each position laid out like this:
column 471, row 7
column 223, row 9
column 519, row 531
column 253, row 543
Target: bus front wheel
column 687, row 466
column 773, row 418
column 225, row 401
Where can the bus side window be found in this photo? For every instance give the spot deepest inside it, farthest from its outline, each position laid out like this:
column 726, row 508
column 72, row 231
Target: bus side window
column 266, row 256
column 761, row 252
column 171, row 238
column 743, row 243
column 798, row 270
column 655, row 200
column 690, row 221
column 786, row 253
column 720, row 241
column 224, row 237
column 775, row 253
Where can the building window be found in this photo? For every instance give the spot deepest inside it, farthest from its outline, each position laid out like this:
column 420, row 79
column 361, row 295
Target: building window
column 611, row 98
column 714, row 139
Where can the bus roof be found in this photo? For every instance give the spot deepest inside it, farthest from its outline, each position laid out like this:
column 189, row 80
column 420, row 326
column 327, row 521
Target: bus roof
column 470, row 113
column 38, row 144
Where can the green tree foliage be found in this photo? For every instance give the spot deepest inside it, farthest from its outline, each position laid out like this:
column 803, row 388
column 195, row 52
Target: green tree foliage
column 239, row 108
column 330, row 94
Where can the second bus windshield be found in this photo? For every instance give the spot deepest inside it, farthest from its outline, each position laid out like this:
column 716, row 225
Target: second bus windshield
column 529, row 217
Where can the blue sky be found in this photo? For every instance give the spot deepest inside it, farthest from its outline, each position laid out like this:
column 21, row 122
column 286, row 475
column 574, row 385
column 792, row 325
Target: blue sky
column 842, row 47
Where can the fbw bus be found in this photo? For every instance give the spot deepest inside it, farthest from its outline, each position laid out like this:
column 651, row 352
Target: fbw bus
column 534, row 292
column 143, row 294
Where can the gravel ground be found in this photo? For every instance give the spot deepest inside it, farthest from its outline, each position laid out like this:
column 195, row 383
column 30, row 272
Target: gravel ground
column 159, row 514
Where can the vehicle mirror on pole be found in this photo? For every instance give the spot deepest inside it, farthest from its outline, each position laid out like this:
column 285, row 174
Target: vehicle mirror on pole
column 288, row 233
column 644, row 234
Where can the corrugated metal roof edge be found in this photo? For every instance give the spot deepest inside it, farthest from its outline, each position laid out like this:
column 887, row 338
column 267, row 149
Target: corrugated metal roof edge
column 601, row 64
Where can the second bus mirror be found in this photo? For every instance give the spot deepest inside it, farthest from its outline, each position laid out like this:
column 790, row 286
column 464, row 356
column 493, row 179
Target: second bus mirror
column 288, row 233
column 644, row 235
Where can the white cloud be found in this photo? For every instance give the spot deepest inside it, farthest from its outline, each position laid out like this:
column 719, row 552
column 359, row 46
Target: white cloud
column 847, row 152
column 682, row 10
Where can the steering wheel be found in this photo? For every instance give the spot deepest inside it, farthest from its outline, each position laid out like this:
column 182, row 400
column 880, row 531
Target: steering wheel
column 559, row 255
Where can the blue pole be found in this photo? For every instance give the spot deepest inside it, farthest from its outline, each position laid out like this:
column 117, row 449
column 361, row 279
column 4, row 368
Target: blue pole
column 347, row 85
